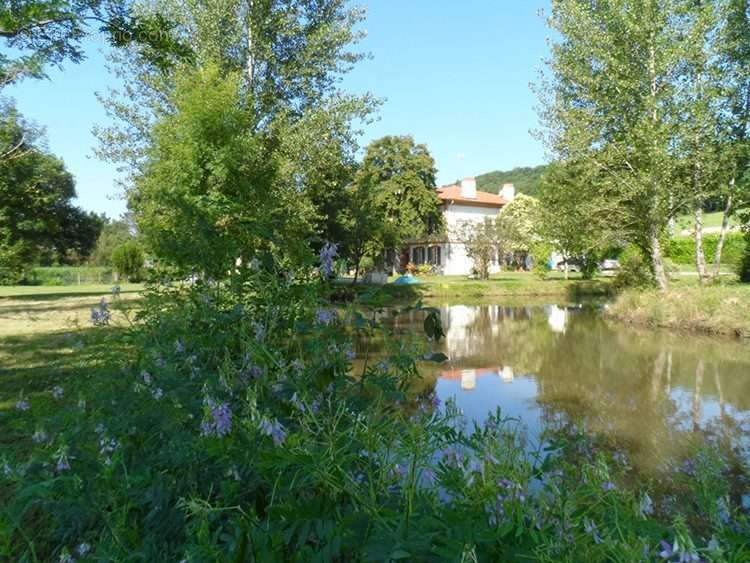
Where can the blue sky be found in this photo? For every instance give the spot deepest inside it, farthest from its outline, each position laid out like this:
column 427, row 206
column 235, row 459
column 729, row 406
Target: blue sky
column 455, row 75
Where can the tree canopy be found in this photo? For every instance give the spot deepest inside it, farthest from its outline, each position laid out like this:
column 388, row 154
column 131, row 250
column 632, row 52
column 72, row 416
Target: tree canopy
column 43, row 32
column 526, row 179
column 37, row 217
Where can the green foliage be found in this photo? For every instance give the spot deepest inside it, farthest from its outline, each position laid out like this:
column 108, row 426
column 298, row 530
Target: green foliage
column 128, row 260
column 632, row 99
column 401, row 176
column 518, row 224
column 208, row 193
column 541, row 252
column 392, row 199
column 682, row 250
column 69, row 275
column 483, row 243
column 525, row 179
column 634, row 271
column 42, row 32
column 38, row 221
column 743, row 264
column 285, row 59
column 114, row 233
column 221, row 438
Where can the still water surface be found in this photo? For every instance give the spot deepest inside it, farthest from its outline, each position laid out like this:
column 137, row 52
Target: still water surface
column 644, row 391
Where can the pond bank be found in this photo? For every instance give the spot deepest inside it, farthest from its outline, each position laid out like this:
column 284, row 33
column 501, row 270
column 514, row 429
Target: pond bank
column 506, row 284
column 719, row 310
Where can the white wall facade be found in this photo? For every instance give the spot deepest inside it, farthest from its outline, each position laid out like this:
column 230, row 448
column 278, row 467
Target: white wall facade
column 457, row 262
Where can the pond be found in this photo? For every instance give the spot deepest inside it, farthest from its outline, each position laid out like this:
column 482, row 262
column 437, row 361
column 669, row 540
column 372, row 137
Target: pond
column 647, row 392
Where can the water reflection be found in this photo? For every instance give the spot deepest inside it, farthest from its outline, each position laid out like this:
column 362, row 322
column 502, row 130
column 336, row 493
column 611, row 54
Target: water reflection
column 555, row 366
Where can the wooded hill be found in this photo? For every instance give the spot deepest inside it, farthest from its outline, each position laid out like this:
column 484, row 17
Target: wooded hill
column 525, row 178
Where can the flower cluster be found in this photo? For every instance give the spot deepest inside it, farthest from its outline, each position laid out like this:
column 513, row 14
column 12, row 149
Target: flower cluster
column 100, row 316
column 327, row 254
column 274, row 429
column 218, row 421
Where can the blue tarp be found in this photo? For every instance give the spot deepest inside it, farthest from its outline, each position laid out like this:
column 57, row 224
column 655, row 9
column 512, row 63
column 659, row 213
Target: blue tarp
column 407, row 279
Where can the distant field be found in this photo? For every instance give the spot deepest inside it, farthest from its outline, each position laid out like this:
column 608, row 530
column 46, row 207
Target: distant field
column 12, row 291
column 710, row 220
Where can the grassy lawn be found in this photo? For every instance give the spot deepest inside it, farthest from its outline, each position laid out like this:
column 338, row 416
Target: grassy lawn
column 505, row 284
column 49, row 339
column 709, row 220
column 53, row 291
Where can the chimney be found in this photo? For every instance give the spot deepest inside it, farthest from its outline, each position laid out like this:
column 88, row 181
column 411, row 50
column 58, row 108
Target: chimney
column 508, row 193
column 469, row 188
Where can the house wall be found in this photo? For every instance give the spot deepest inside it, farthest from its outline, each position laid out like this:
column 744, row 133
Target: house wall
column 457, row 263
column 454, row 260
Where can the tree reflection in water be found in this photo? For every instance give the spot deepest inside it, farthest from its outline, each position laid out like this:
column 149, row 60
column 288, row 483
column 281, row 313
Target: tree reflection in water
column 647, row 393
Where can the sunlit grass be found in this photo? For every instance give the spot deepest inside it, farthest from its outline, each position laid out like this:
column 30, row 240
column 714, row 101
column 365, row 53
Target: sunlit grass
column 62, row 290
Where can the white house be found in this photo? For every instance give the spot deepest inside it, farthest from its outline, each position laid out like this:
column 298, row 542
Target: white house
column 461, row 203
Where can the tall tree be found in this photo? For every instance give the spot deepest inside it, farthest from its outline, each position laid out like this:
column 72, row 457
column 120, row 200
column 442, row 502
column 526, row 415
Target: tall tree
column 607, row 102
column 37, row 217
column 208, row 195
column 734, row 54
column 401, row 175
column 289, row 55
column 697, row 95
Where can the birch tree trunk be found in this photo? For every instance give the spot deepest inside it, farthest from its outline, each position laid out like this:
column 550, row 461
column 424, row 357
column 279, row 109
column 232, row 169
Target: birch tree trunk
column 724, row 230
column 657, row 260
column 700, row 255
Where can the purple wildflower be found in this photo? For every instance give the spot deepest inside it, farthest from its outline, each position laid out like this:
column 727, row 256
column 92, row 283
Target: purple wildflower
column 429, row 475
column 327, row 254
column 688, row 466
column 609, row 486
column 297, row 402
column 350, row 354
column 436, row 401
column 325, row 316
column 83, row 549
column 592, row 530
column 157, row 393
column 57, row 392
column 101, row 316
column 273, row 429
column 146, row 376
column 220, row 421
column 63, row 463
column 179, row 347
column 23, row 405
column 646, row 505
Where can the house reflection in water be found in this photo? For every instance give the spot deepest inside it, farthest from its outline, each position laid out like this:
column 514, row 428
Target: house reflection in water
column 468, row 377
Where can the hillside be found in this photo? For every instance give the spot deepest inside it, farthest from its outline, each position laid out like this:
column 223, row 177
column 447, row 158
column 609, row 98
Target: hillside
column 525, row 178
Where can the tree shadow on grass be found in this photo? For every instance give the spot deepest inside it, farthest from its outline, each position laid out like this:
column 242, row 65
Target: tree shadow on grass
column 34, row 364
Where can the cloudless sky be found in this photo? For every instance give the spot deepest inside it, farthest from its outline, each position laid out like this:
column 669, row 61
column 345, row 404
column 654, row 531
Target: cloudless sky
column 454, row 74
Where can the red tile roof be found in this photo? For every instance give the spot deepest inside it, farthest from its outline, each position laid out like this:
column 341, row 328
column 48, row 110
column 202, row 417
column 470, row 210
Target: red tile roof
column 452, row 194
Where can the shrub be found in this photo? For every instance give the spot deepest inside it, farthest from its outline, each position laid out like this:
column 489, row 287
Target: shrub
column 681, row 250
column 743, row 265
column 128, row 260
column 634, row 271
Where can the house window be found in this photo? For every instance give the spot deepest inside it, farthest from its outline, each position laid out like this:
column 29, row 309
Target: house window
column 417, row 255
column 434, row 255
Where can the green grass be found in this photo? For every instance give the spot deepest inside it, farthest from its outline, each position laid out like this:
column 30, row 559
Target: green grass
column 14, row 291
column 505, row 284
column 709, row 220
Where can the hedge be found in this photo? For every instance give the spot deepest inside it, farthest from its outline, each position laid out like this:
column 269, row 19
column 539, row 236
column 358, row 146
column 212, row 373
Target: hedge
column 682, row 250
column 69, row 275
